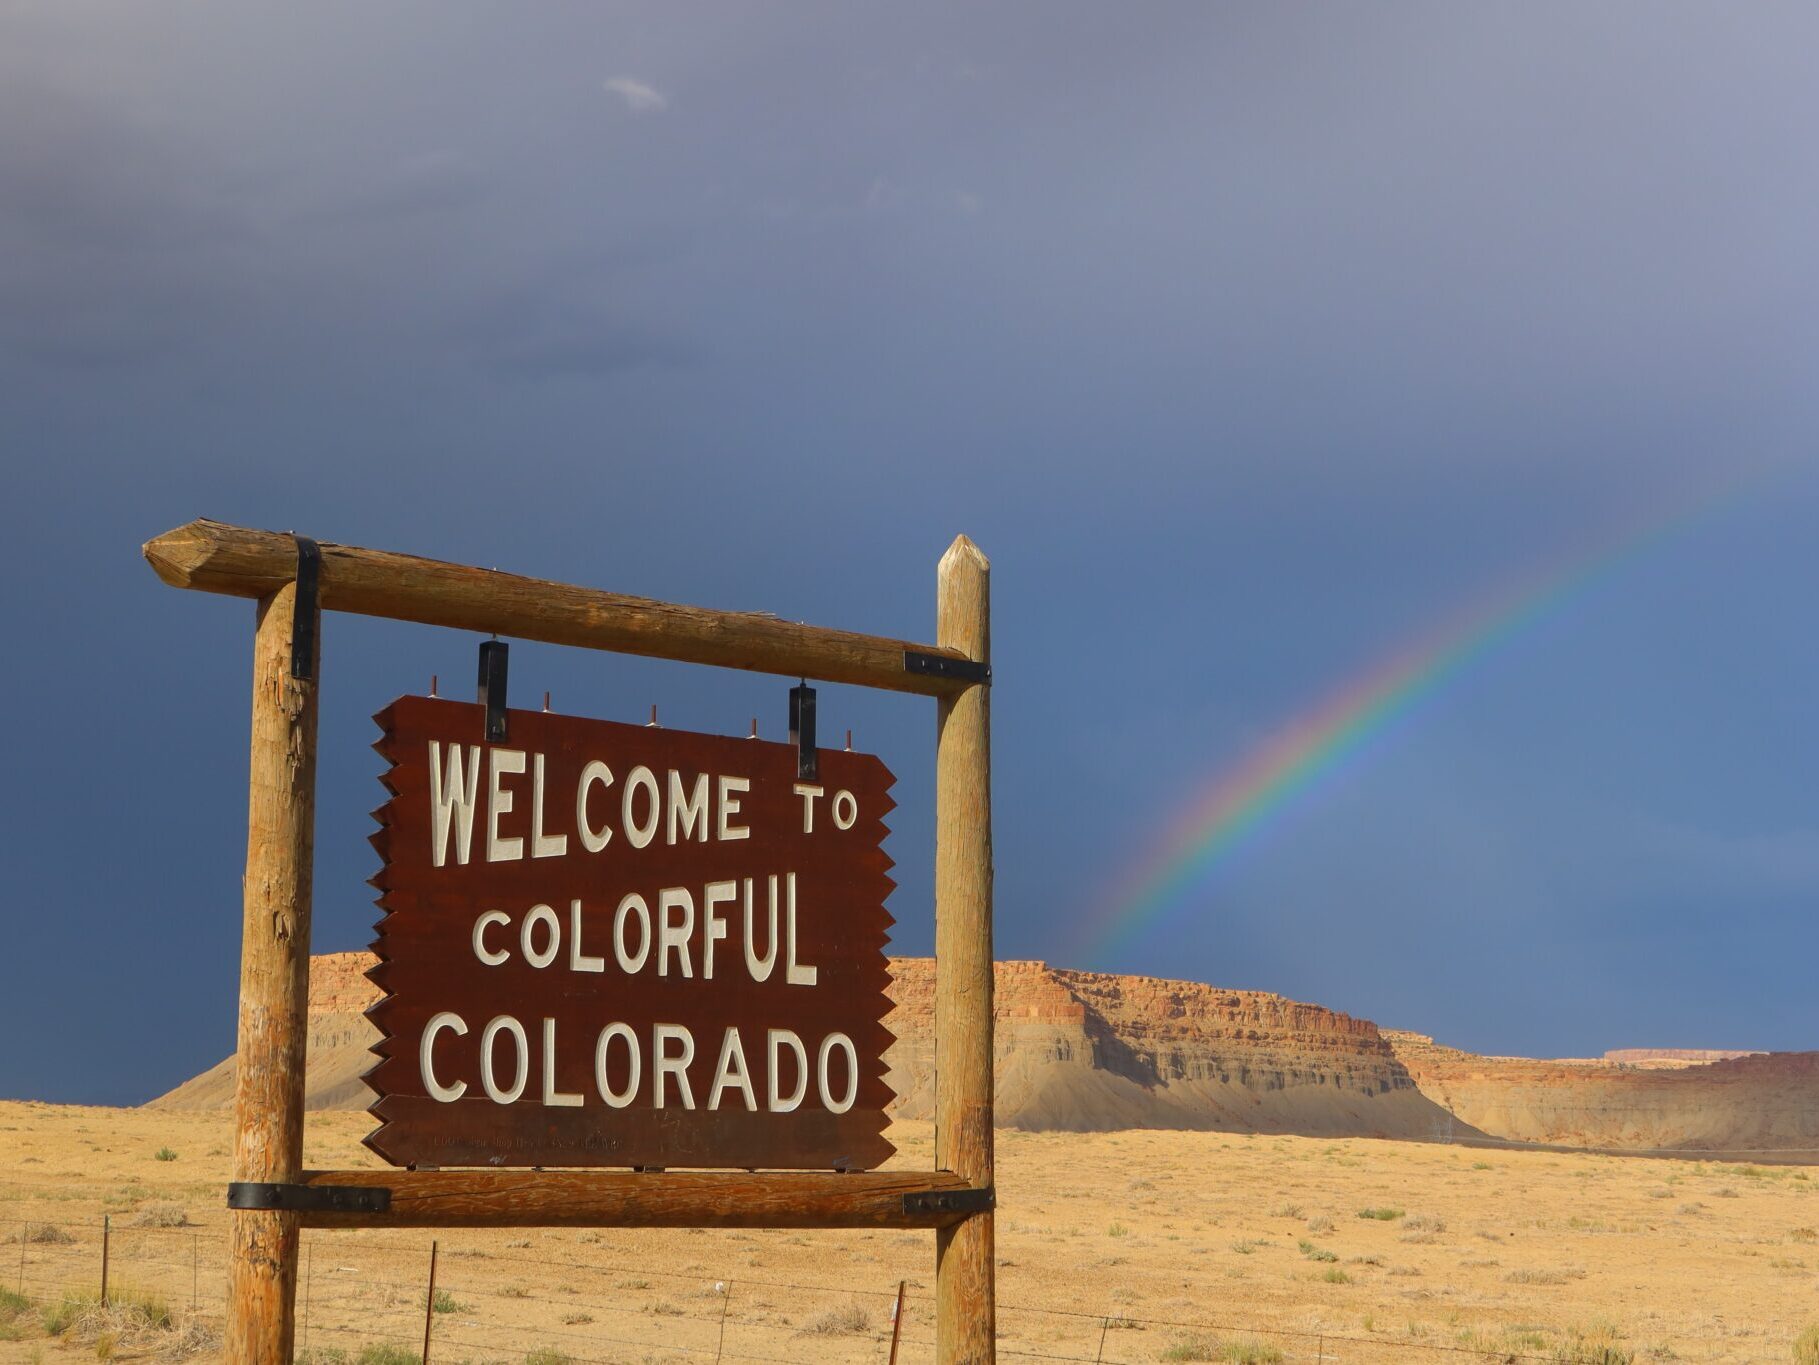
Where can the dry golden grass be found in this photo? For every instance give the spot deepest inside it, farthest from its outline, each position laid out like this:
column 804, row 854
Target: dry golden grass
column 1147, row 1242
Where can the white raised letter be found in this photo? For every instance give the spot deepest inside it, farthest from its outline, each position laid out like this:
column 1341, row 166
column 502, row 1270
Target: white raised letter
column 540, row 914
column 542, row 845
column 674, row 936
column 784, row 1038
column 793, row 974
column 808, row 794
column 640, row 779
column 713, row 928
column 687, row 812
column 729, row 807
column 570, row 1099
column 445, row 1094
column 504, row 1023
column 846, row 800
column 492, row 957
column 579, row 961
column 632, row 904
column 760, row 967
column 661, row 1035
column 732, row 1071
column 618, row 1099
column 592, row 840
column 499, row 802
column 828, row 1044
column 455, row 793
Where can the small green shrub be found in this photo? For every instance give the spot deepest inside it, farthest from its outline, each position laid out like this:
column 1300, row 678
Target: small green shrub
column 164, row 1154
column 1316, row 1253
column 1806, row 1346
column 1334, row 1275
column 445, row 1302
column 547, row 1355
column 1117, row 1230
column 1381, row 1215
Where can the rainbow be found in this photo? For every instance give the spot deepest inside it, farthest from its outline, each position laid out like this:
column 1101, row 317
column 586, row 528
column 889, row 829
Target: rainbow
column 1244, row 800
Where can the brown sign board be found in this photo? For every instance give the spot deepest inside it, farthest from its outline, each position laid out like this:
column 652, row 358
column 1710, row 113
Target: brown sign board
column 620, row 945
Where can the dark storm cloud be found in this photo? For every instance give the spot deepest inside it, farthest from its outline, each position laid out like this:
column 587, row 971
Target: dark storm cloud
column 1248, row 340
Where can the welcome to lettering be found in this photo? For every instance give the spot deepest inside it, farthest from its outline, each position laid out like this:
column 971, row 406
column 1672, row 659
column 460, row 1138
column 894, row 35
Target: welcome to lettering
column 650, row 946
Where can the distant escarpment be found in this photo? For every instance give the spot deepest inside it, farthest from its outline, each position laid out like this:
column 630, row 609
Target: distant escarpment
column 1762, row 1101
column 1085, row 1051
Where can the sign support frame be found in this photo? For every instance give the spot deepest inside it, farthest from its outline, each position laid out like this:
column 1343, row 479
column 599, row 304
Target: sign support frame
column 956, row 1200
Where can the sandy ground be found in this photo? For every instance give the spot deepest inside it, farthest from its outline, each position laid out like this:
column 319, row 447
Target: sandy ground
column 1121, row 1247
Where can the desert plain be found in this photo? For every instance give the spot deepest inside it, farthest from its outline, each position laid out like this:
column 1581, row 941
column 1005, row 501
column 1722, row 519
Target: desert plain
column 1117, row 1246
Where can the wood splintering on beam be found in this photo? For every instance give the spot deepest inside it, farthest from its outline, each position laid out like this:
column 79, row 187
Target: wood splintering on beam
column 211, row 556
column 649, row 1199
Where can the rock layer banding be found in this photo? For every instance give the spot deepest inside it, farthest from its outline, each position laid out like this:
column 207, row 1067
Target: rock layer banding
column 1087, row 1051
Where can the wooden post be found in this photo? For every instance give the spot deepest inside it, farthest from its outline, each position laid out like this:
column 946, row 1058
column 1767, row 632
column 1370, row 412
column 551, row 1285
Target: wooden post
column 274, row 987
column 965, row 1313
column 107, row 1224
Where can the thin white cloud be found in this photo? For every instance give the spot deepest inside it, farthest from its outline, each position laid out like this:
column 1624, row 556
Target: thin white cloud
column 639, row 97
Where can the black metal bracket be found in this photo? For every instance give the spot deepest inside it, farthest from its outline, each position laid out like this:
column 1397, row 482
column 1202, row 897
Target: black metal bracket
column 802, row 732
column 305, row 613
column 967, row 1202
column 940, row 666
column 264, row 1194
column 494, row 656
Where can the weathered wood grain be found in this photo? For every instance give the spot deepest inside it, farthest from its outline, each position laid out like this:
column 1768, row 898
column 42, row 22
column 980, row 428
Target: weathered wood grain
column 214, row 557
column 647, row 1199
column 274, row 988
column 964, row 1296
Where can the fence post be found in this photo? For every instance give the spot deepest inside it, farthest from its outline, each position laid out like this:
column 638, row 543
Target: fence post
column 1104, row 1327
column 107, row 1223
column 726, row 1298
column 429, row 1302
column 897, row 1321
column 309, row 1275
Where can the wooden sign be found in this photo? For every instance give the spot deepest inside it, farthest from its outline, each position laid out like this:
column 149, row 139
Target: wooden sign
column 619, row 945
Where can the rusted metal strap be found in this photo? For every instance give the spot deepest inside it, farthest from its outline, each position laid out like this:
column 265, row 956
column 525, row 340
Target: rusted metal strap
column 981, row 1200
column 940, row 666
column 265, row 1194
column 304, row 614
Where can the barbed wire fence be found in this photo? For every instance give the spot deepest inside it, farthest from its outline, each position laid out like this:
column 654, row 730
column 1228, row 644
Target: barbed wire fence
column 511, row 1304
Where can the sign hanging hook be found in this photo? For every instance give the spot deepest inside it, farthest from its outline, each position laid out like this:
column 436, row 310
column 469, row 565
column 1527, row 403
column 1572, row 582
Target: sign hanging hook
column 802, row 732
column 494, row 657
column 305, row 616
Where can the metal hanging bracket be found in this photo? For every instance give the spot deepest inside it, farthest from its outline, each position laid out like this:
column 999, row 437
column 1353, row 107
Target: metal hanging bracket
column 940, row 666
column 802, row 732
column 494, row 657
column 981, row 1200
column 263, row 1194
column 305, row 612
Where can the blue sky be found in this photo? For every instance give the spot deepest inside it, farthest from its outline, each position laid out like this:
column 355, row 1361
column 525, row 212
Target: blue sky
column 1247, row 340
